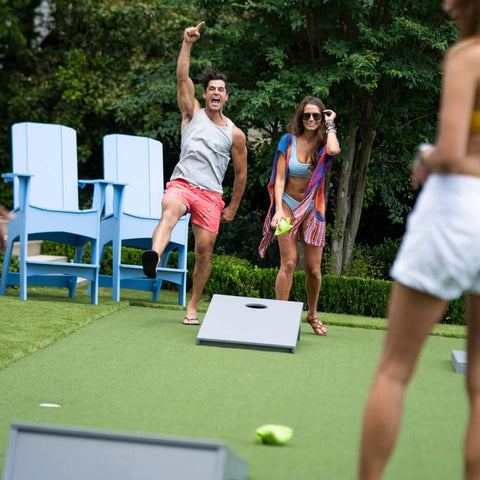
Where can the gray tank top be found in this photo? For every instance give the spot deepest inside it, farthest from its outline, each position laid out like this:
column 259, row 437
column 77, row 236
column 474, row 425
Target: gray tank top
column 205, row 152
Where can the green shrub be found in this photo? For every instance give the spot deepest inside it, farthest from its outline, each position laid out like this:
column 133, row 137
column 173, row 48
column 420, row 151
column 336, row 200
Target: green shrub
column 14, row 263
column 233, row 276
column 367, row 261
column 456, row 312
column 384, row 255
column 364, row 264
column 349, row 295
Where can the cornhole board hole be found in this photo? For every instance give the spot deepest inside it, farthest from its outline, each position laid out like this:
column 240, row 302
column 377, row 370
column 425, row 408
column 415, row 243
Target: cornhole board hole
column 253, row 323
column 459, row 361
column 43, row 452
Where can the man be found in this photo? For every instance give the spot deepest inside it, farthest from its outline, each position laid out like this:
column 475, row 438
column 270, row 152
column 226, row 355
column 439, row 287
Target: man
column 209, row 141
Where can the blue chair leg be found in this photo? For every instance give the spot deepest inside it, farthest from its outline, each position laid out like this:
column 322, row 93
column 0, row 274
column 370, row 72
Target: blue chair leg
column 73, row 281
column 6, row 267
column 23, row 267
column 95, row 254
column 182, row 291
column 116, row 260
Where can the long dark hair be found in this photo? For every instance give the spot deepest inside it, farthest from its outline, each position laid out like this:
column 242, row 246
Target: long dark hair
column 295, row 127
column 470, row 21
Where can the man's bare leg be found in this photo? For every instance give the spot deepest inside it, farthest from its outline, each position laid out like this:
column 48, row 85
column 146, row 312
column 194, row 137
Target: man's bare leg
column 172, row 210
column 204, row 242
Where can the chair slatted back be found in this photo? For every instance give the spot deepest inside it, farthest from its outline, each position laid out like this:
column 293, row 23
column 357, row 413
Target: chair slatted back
column 138, row 162
column 49, row 153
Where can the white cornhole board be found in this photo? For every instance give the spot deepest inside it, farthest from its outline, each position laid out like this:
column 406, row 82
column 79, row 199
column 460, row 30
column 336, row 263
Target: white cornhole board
column 44, row 452
column 459, row 361
column 252, row 323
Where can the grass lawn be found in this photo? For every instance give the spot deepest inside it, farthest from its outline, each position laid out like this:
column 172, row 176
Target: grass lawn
column 126, row 367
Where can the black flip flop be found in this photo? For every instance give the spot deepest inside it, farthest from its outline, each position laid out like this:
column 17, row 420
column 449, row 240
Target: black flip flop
column 192, row 319
column 150, row 262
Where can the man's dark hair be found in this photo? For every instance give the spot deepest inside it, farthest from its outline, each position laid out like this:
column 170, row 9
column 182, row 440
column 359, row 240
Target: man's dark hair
column 211, row 74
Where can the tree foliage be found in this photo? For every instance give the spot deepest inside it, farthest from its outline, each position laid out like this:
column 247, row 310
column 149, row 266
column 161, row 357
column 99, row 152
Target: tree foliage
column 375, row 63
column 108, row 66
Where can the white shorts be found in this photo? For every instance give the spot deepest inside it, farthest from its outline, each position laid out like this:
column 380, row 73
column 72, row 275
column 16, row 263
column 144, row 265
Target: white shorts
column 440, row 252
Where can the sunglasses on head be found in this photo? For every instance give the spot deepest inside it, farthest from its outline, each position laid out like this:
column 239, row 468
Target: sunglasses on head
column 316, row 116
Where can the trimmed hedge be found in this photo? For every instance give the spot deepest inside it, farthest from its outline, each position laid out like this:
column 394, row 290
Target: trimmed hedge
column 348, row 295
column 231, row 276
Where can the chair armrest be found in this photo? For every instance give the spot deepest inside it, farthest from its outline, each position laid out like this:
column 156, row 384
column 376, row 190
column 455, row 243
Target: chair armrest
column 99, row 181
column 118, row 193
column 99, row 187
column 23, row 188
column 9, row 177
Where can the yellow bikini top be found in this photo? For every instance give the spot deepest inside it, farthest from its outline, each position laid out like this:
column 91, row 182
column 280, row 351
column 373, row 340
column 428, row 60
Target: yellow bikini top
column 475, row 123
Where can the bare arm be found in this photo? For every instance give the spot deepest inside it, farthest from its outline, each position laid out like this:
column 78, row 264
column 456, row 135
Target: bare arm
column 460, row 81
column 333, row 147
column 279, row 188
column 187, row 102
column 239, row 160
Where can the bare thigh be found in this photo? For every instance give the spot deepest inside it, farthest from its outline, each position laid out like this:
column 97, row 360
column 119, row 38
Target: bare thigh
column 411, row 317
column 313, row 257
column 172, row 210
column 288, row 249
column 204, row 240
column 473, row 343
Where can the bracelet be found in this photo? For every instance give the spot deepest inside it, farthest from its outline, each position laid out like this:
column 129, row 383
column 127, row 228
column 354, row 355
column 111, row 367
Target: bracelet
column 417, row 158
column 331, row 129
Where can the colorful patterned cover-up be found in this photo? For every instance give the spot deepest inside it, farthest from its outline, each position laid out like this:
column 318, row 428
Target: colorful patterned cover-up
column 314, row 233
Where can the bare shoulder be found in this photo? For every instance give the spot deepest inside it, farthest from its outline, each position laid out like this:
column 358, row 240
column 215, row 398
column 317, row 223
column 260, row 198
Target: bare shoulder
column 464, row 57
column 238, row 137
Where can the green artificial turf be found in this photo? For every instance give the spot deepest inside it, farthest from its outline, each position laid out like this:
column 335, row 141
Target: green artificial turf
column 139, row 370
column 49, row 315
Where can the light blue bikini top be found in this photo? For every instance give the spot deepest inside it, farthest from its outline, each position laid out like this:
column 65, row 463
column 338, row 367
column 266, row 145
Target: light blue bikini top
column 295, row 168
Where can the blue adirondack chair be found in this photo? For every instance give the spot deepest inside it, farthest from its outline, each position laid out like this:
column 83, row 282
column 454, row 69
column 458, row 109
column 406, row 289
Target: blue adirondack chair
column 45, row 176
column 133, row 168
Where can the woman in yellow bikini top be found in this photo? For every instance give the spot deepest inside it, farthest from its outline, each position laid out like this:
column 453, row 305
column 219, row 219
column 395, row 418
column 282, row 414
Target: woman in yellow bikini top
column 475, row 123
column 439, row 259
column 448, row 155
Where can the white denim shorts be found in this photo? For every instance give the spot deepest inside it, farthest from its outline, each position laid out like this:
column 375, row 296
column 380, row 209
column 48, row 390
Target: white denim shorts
column 440, row 252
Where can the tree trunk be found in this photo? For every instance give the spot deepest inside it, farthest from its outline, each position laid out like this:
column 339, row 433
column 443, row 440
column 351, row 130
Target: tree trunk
column 343, row 203
column 327, row 187
column 357, row 203
column 300, row 257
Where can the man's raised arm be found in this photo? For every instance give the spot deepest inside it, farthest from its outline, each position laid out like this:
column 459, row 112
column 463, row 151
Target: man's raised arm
column 187, row 103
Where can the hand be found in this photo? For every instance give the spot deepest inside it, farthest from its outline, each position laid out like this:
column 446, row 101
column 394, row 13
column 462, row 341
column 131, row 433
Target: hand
column 420, row 174
column 329, row 115
column 420, row 171
column 277, row 218
column 228, row 214
column 192, row 34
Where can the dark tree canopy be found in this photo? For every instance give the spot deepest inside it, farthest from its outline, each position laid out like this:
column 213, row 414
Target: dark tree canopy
column 109, row 67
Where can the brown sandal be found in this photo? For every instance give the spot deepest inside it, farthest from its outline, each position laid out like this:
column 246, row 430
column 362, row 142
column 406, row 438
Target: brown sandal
column 318, row 327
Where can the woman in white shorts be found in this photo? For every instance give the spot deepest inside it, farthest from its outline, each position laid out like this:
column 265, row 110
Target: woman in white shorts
column 440, row 255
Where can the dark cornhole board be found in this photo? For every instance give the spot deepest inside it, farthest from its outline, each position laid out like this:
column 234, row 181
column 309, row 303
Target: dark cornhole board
column 42, row 452
column 253, row 323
